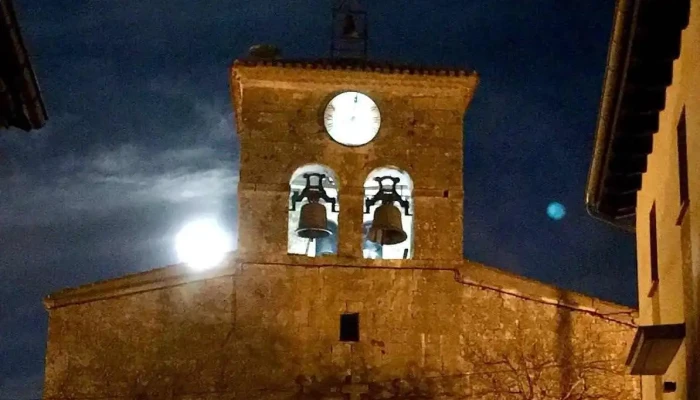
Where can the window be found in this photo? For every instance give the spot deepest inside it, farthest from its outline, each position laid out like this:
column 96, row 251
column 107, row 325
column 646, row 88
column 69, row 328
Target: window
column 313, row 231
column 682, row 163
column 350, row 327
column 388, row 233
column 653, row 251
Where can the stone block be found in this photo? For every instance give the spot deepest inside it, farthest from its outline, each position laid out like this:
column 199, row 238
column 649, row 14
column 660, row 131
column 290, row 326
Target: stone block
column 350, row 224
column 263, row 218
column 422, row 102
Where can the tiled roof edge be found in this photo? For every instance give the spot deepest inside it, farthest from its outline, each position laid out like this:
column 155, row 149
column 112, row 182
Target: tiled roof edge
column 357, row 65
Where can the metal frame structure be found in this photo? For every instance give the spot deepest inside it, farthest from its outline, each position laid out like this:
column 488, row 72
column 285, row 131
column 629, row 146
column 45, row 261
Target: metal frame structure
column 313, row 192
column 387, row 195
column 348, row 14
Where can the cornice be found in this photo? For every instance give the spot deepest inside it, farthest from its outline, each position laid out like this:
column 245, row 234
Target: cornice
column 466, row 272
column 308, row 76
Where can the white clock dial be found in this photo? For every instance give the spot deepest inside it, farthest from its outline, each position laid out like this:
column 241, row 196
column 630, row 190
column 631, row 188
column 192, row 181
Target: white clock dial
column 352, row 119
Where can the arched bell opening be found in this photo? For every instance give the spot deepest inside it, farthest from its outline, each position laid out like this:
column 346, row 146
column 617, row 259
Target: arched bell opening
column 387, row 221
column 312, row 226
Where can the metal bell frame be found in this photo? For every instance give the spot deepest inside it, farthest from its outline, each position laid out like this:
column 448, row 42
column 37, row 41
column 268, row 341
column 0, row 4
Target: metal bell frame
column 313, row 192
column 387, row 195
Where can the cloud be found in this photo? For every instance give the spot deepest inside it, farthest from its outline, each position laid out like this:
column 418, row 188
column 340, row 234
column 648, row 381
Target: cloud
column 124, row 177
column 105, row 178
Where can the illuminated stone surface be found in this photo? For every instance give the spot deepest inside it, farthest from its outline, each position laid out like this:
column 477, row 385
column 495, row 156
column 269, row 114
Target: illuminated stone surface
column 265, row 329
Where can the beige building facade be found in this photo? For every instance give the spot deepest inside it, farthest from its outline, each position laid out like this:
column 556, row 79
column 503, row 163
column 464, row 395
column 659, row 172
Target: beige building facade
column 344, row 319
column 646, row 169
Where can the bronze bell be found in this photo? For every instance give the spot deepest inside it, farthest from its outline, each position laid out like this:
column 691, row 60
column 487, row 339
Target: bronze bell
column 386, row 226
column 313, row 223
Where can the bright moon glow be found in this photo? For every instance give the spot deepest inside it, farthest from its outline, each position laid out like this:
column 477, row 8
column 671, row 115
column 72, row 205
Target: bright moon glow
column 202, row 244
column 556, row 211
column 352, row 119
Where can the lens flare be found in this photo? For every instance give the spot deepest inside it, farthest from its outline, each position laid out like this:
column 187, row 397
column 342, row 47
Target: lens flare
column 202, row 244
column 556, row 211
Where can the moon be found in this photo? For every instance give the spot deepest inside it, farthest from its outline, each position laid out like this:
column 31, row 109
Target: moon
column 202, row 244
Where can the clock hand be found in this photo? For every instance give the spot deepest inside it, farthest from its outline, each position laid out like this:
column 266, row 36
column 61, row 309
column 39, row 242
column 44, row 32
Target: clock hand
column 354, row 108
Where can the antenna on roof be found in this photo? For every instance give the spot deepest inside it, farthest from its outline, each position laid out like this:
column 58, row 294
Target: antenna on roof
column 349, row 30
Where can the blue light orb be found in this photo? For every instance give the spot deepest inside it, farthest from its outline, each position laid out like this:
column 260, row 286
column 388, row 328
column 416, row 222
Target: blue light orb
column 556, row 211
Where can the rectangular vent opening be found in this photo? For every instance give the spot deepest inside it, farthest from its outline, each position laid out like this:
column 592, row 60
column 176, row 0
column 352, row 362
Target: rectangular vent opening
column 350, row 327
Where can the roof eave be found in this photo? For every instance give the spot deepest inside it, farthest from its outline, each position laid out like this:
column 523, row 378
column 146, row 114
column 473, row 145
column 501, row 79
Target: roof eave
column 616, row 68
column 35, row 115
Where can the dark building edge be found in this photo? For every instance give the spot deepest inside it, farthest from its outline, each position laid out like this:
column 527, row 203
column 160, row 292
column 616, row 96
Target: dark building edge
column 645, row 41
column 25, row 106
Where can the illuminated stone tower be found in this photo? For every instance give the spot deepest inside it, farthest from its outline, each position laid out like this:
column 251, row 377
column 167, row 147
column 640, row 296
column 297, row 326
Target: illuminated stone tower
column 355, row 121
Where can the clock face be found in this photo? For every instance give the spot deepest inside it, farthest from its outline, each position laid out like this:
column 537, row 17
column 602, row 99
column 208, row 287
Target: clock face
column 352, row 119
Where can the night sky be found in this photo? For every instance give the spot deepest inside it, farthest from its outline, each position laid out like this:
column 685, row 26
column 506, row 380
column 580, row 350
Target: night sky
column 141, row 140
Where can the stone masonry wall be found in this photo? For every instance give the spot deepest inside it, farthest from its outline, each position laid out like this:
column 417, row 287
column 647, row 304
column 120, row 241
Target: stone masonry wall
column 271, row 331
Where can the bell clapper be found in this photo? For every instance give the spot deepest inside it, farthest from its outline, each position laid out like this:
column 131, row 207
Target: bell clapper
column 308, row 246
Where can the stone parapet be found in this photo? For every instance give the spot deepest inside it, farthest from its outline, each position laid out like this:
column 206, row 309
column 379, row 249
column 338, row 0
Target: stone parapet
column 464, row 271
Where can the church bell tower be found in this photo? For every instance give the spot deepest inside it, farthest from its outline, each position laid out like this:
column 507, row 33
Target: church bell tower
column 349, row 158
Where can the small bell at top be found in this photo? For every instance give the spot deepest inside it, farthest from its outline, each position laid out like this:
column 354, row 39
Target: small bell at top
column 386, row 226
column 350, row 28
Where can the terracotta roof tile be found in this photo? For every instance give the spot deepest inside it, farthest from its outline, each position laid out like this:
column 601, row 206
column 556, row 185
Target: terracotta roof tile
column 358, row 65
